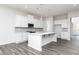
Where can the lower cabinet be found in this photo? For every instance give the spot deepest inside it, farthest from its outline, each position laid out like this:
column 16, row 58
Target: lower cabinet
column 21, row 37
column 25, row 36
column 64, row 35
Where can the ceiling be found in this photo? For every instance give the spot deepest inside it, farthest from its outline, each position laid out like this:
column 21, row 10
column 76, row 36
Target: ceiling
column 46, row 9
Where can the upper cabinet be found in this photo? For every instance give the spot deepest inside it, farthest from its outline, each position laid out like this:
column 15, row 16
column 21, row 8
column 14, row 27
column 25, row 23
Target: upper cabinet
column 22, row 21
column 38, row 23
column 49, row 24
column 63, row 22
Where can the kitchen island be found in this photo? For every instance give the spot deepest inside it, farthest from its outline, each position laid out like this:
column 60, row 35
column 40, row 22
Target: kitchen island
column 39, row 39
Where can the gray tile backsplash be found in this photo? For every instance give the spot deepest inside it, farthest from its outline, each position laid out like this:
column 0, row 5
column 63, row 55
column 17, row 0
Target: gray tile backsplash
column 25, row 29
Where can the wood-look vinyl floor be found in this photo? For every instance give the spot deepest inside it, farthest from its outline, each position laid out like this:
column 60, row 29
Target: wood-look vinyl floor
column 62, row 47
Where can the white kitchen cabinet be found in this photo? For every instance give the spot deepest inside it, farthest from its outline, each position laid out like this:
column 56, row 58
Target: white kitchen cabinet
column 21, row 21
column 21, row 37
column 18, row 37
column 64, row 35
column 39, row 39
column 64, row 28
column 25, row 36
column 63, row 22
column 18, row 20
column 37, row 23
column 49, row 26
column 58, row 30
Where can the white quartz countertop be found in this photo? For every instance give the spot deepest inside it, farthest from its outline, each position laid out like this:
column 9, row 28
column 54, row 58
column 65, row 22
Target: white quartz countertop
column 42, row 33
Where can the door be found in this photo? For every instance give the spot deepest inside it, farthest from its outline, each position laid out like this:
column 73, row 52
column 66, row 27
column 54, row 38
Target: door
column 58, row 30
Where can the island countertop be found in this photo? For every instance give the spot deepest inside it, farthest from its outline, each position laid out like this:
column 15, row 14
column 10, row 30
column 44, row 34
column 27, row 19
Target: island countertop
column 42, row 33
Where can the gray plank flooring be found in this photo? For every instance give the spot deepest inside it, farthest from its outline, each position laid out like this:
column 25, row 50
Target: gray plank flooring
column 62, row 47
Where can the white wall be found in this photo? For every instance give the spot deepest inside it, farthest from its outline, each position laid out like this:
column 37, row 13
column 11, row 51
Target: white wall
column 7, row 22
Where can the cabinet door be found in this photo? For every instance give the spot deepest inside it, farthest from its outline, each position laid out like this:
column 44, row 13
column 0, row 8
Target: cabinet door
column 58, row 30
column 23, row 21
column 21, row 37
column 24, row 36
column 20, row 21
column 64, row 35
column 18, row 37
